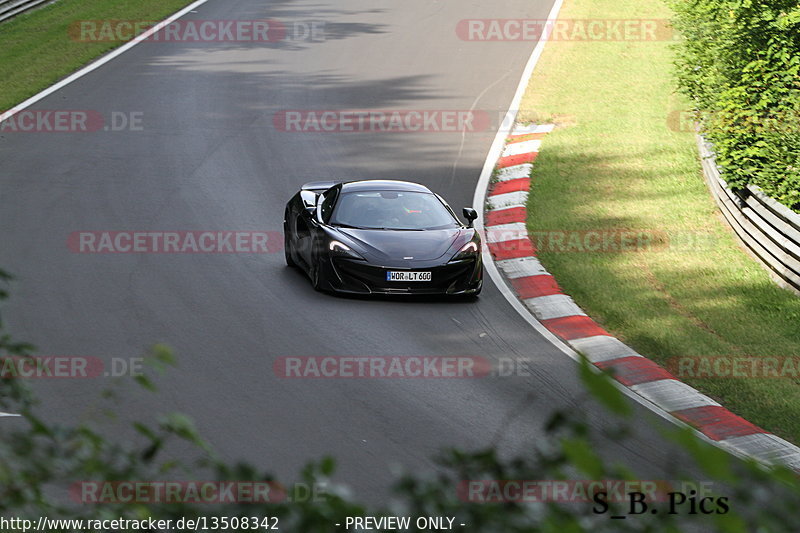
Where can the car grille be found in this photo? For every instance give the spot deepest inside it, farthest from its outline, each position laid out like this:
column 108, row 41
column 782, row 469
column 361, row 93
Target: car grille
column 374, row 277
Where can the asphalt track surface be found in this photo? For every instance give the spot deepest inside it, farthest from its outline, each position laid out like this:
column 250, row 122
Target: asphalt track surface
column 209, row 158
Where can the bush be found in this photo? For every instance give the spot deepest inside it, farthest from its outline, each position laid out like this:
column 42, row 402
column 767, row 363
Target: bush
column 739, row 62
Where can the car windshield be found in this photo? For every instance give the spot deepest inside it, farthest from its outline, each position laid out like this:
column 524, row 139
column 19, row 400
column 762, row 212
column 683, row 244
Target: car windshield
column 392, row 210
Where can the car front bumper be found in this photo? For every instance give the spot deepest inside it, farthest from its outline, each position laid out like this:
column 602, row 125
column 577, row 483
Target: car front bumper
column 359, row 277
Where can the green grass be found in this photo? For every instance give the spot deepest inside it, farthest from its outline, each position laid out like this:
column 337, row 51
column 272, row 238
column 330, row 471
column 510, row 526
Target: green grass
column 613, row 162
column 36, row 49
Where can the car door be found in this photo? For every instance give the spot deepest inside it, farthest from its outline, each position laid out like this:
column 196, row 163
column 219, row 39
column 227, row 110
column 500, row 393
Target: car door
column 304, row 225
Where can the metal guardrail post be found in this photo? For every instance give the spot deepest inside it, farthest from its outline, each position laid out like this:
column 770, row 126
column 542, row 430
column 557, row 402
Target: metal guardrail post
column 10, row 8
column 768, row 229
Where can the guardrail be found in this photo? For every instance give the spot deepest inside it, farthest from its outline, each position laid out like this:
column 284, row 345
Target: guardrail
column 10, row 8
column 767, row 228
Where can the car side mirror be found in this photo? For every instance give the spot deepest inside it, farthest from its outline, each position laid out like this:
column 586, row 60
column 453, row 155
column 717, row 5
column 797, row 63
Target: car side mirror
column 470, row 214
column 309, row 199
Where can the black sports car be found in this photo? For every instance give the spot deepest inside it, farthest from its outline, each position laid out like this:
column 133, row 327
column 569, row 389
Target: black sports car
column 388, row 237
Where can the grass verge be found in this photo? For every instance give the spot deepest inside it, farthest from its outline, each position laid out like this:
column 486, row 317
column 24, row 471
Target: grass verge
column 616, row 161
column 37, row 49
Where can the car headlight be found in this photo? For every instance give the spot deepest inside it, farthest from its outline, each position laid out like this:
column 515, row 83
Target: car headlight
column 469, row 250
column 341, row 249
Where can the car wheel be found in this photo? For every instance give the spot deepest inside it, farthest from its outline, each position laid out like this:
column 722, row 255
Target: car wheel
column 287, row 250
column 314, row 275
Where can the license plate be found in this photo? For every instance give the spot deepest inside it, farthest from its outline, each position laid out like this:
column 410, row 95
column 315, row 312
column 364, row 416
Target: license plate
column 408, row 276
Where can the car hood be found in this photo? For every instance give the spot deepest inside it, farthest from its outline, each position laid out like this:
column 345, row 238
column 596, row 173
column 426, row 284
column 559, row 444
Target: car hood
column 394, row 245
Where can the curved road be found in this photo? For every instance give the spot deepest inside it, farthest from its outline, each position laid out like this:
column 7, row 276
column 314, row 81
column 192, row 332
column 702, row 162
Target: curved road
column 210, row 158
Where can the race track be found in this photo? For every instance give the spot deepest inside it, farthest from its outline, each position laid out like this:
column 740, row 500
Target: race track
column 209, row 157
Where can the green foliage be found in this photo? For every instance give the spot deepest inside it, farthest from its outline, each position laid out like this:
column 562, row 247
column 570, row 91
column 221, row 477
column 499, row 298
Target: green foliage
column 602, row 389
column 740, row 63
column 41, row 461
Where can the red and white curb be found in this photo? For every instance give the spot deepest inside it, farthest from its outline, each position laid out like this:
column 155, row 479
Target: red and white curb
column 515, row 256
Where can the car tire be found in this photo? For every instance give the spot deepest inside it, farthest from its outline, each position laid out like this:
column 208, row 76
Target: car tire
column 313, row 271
column 287, row 250
column 314, row 275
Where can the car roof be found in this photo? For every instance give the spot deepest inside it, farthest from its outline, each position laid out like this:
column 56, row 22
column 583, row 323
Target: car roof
column 383, row 185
